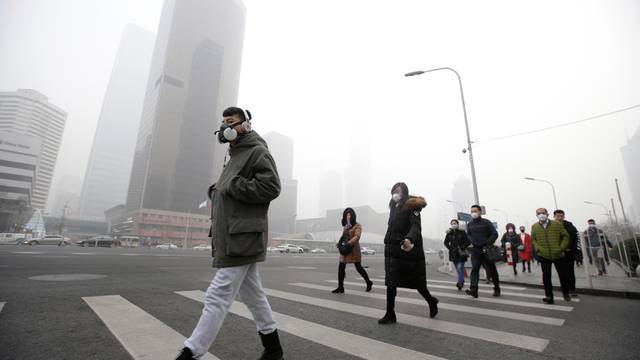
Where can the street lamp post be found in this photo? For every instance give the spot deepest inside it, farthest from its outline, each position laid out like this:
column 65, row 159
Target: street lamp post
column 553, row 188
column 466, row 125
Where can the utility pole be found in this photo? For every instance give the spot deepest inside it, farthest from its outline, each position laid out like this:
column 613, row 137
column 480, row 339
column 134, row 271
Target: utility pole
column 63, row 218
column 615, row 214
column 624, row 214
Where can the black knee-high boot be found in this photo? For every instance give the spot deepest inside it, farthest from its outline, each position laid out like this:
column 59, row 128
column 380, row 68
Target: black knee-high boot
column 390, row 316
column 432, row 301
column 341, row 275
column 365, row 276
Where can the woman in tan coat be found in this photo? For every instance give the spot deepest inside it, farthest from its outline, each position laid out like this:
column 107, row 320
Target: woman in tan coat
column 352, row 230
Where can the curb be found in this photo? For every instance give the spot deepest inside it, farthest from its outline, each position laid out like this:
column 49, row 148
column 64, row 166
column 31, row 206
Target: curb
column 585, row 291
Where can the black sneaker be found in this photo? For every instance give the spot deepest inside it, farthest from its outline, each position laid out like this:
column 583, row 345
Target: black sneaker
column 471, row 293
column 567, row 297
column 388, row 318
column 338, row 290
column 496, row 292
column 185, row 354
column 574, row 294
column 548, row 301
column 369, row 285
column 459, row 286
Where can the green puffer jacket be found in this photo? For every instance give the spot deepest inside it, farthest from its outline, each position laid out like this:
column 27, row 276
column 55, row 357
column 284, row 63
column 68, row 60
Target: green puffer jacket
column 550, row 243
column 240, row 203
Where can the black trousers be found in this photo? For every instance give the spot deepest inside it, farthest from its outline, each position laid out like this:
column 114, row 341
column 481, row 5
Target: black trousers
column 571, row 271
column 393, row 291
column 562, row 267
column 478, row 259
column 342, row 273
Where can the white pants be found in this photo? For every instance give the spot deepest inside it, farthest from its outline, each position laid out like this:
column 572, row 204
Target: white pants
column 242, row 281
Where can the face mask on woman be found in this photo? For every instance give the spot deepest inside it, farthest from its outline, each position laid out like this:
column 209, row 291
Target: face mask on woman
column 454, row 226
column 396, row 197
column 510, row 231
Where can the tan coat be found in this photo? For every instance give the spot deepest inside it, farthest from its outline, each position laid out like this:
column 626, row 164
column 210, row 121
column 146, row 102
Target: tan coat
column 354, row 238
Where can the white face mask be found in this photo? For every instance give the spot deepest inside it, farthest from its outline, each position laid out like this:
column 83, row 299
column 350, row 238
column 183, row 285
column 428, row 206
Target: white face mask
column 455, row 226
column 475, row 215
column 510, row 231
column 543, row 217
column 396, row 197
column 592, row 226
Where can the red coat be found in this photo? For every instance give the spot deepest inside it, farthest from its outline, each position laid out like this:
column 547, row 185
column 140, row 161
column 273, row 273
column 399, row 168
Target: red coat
column 527, row 253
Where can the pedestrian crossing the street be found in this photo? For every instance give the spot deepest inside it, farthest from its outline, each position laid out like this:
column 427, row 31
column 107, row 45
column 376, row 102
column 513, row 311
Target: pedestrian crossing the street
column 144, row 336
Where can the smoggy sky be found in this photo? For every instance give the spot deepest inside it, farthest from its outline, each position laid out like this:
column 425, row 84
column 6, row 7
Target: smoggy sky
column 330, row 75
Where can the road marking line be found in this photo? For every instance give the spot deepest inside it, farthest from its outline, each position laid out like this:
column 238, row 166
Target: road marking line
column 470, row 331
column 28, row 252
column 82, row 253
column 518, row 288
column 480, row 299
column 142, row 335
column 129, row 254
column 461, row 308
column 343, row 341
column 522, row 295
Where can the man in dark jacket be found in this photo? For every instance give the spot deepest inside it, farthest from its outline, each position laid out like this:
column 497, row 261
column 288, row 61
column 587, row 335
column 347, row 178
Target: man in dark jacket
column 571, row 254
column 240, row 202
column 482, row 233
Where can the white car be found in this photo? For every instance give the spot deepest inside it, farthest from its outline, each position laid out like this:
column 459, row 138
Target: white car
column 290, row 248
column 167, row 246
column 202, row 247
column 367, row 251
column 318, row 251
column 48, row 240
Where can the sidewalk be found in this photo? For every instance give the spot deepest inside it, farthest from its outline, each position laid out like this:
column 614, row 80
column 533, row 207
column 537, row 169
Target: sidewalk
column 613, row 284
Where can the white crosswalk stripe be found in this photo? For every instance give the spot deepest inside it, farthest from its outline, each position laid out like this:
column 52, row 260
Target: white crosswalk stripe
column 480, row 299
column 460, row 308
column 507, row 293
column 1, row 305
column 470, row 331
column 429, row 281
column 349, row 343
column 141, row 334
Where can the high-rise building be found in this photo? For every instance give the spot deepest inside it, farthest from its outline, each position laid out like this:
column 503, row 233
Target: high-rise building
column 194, row 76
column 630, row 157
column 29, row 112
column 331, row 192
column 462, row 194
column 107, row 175
column 18, row 165
column 283, row 210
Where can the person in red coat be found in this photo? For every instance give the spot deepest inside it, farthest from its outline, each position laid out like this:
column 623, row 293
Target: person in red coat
column 526, row 253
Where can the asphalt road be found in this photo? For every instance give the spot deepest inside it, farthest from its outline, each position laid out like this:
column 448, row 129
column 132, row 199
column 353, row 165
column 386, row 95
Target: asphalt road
column 43, row 319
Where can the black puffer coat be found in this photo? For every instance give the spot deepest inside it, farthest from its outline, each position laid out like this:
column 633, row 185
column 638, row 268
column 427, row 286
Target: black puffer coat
column 455, row 241
column 405, row 269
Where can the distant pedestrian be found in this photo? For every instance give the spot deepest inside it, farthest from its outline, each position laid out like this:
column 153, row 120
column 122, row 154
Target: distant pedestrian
column 482, row 234
column 404, row 261
column 550, row 239
column 527, row 249
column 571, row 253
column 240, row 198
column 512, row 238
column 457, row 242
column 351, row 230
column 596, row 243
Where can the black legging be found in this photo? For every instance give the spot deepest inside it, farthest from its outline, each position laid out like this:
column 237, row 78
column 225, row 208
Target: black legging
column 393, row 291
column 342, row 272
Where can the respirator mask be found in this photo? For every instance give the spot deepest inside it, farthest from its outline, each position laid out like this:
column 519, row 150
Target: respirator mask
column 228, row 133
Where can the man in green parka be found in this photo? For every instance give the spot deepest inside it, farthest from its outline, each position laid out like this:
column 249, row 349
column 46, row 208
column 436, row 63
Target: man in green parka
column 240, row 202
column 551, row 239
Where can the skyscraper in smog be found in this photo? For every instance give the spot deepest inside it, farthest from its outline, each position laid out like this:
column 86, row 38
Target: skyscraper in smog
column 194, row 76
column 106, row 180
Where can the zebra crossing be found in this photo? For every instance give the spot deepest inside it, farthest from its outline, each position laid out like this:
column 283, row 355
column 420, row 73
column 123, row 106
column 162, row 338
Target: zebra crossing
column 143, row 336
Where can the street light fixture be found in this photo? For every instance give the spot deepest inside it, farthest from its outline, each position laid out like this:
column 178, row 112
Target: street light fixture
column 553, row 188
column 466, row 124
column 606, row 209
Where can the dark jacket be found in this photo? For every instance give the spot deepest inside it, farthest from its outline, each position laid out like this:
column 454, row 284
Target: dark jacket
column 456, row 241
column 514, row 240
column 240, row 202
column 481, row 232
column 572, row 250
column 402, row 268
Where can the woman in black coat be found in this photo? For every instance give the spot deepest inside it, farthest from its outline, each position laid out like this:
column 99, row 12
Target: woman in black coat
column 404, row 262
column 457, row 243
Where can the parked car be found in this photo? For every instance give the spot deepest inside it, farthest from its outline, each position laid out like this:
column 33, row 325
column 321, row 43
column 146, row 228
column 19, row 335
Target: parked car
column 290, row 248
column 367, row 251
column 202, row 247
column 48, row 240
column 167, row 246
column 318, row 251
column 305, row 248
